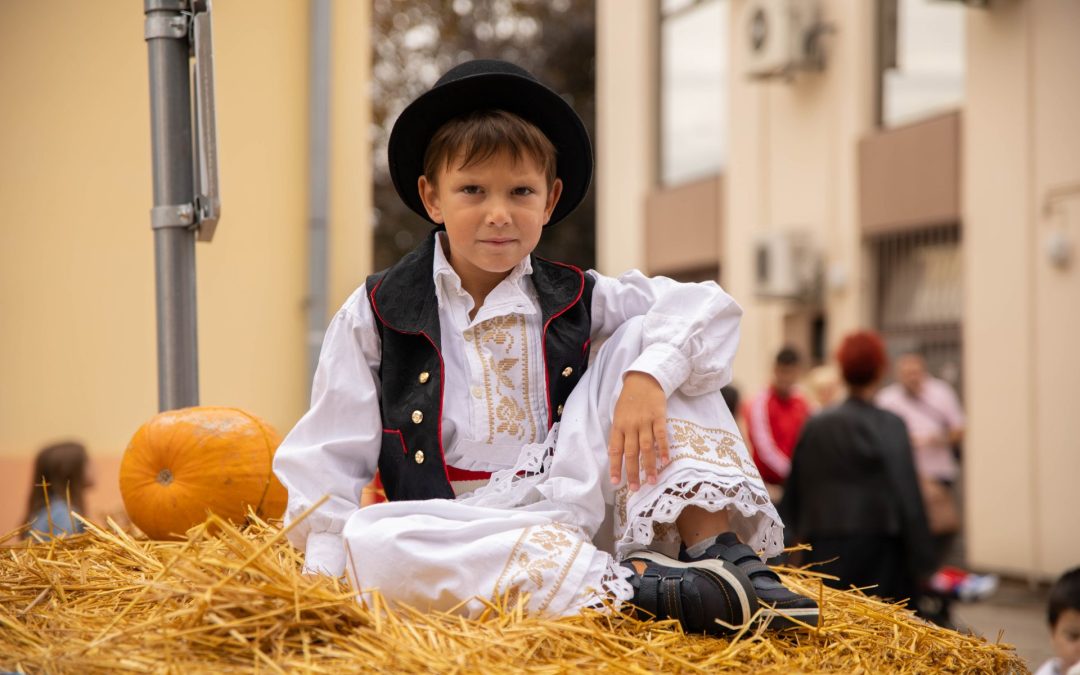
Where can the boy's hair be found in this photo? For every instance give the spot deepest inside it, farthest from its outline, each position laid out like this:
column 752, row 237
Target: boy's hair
column 1064, row 594
column 480, row 135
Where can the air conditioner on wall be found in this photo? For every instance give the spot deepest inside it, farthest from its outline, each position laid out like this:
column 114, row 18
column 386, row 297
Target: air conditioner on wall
column 781, row 37
column 787, row 265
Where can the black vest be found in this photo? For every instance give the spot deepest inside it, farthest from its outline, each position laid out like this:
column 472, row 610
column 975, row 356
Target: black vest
column 412, row 464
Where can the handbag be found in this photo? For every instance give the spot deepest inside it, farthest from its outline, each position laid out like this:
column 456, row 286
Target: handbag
column 942, row 511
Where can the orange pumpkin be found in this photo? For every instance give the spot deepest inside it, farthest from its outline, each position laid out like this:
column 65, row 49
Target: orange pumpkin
column 183, row 463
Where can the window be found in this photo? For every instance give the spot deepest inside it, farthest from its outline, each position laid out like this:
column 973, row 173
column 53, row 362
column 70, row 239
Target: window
column 920, row 296
column 694, row 72
column 928, row 76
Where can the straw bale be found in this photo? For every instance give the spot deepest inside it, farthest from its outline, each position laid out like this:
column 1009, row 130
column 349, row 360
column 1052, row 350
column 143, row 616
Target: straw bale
column 233, row 600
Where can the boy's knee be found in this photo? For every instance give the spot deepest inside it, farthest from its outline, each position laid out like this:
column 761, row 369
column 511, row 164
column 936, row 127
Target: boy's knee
column 632, row 328
column 621, row 349
column 628, row 336
column 366, row 534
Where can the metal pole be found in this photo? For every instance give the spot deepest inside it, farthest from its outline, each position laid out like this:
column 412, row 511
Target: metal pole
column 173, row 216
column 318, row 180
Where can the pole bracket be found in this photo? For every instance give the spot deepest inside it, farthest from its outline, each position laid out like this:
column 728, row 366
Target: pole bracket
column 172, row 215
column 173, row 27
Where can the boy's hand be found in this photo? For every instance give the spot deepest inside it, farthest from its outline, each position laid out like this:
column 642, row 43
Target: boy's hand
column 638, row 430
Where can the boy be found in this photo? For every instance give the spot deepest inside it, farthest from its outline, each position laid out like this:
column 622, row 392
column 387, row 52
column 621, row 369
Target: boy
column 1064, row 615
column 460, row 374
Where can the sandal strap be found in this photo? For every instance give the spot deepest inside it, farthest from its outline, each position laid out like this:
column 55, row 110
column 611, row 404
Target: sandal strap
column 672, row 595
column 669, row 597
column 647, row 596
column 754, row 567
column 743, row 556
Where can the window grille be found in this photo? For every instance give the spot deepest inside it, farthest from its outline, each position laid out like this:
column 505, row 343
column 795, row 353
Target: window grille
column 920, row 298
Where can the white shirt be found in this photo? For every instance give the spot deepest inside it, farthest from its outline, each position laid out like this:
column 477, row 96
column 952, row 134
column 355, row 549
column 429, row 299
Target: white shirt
column 494, row 398
column 1055, row 666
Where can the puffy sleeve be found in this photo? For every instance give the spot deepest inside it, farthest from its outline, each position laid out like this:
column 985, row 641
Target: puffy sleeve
column 691, row 329
column 334, row 449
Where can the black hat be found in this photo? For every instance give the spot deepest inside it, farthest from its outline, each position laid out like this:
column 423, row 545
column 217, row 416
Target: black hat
column 486, row 84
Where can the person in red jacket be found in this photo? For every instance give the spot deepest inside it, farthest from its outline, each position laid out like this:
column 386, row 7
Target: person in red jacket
column 774, row 419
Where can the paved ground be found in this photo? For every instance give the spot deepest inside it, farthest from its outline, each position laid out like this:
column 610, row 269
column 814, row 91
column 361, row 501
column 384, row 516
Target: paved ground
column 1019, row 611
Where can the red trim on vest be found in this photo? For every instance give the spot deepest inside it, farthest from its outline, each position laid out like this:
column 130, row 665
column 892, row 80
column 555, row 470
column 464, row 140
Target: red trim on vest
column 543, row 338
column 457, row 474
column 404, row 448
column 442, row 375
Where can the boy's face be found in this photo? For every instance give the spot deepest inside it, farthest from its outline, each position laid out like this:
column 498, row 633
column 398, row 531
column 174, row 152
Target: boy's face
column 494, row 212
column 1066, row 638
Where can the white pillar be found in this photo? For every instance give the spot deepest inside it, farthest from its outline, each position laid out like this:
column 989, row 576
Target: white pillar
column 626, row 63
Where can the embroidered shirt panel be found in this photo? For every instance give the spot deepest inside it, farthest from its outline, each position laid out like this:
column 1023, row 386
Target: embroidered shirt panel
column 500, row 354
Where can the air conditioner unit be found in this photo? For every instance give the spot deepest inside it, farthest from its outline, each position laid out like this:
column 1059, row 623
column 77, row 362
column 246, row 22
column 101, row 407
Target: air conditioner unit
column 782, row 37
column 787, row 266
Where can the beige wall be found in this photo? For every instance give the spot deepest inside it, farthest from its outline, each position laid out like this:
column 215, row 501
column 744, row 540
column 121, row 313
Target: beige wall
column 793, row 166
column 793, row 163
column 683, row 227
column 909, row 176
column 77, row 323
column 626, row 112
column 1023, row 367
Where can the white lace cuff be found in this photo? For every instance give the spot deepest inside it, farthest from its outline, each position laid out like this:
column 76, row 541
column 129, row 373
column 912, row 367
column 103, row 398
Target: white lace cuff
column 325, row 554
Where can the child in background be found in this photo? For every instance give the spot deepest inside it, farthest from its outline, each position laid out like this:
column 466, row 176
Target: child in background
column 65, row 470
column 1063, row 611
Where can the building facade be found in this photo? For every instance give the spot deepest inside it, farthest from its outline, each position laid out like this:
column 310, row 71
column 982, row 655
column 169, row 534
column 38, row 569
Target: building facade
column 906, row 165
column 77, row 317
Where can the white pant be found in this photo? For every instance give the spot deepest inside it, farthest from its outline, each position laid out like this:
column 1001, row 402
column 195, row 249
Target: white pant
column 529, row 533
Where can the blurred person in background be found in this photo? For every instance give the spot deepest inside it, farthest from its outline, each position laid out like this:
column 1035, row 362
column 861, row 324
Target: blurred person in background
column 931, row 410
column 732, row 398
column 935, row 423
column 824, row 386
column 1063, row 613
column 774, row 419
column 63, row 471
column 852, row 493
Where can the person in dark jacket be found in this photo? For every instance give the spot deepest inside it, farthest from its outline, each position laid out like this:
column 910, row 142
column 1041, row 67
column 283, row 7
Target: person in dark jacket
column 853, row 494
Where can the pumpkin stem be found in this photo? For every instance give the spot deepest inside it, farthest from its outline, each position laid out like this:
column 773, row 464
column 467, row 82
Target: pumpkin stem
column 164, row 477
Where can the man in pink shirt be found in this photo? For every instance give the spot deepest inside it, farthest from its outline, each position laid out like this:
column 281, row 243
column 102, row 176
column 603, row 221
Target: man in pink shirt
column 931, row 410
column 935, row 422
column 774, row 420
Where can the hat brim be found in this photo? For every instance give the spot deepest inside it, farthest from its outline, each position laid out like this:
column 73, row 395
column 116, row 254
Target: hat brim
column 522, row 96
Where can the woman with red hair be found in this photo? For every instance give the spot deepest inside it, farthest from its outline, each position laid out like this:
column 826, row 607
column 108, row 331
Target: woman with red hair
column 852, row 493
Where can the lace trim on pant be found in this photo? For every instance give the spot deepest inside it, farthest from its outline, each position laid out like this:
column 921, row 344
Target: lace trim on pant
column 653, row 522
column 614, row 590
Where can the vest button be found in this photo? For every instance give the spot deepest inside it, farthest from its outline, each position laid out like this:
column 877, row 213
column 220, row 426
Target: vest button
column 567, row 371
column 417, row 417
column 419, row 456
column 558, row 411
column 424, row 377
